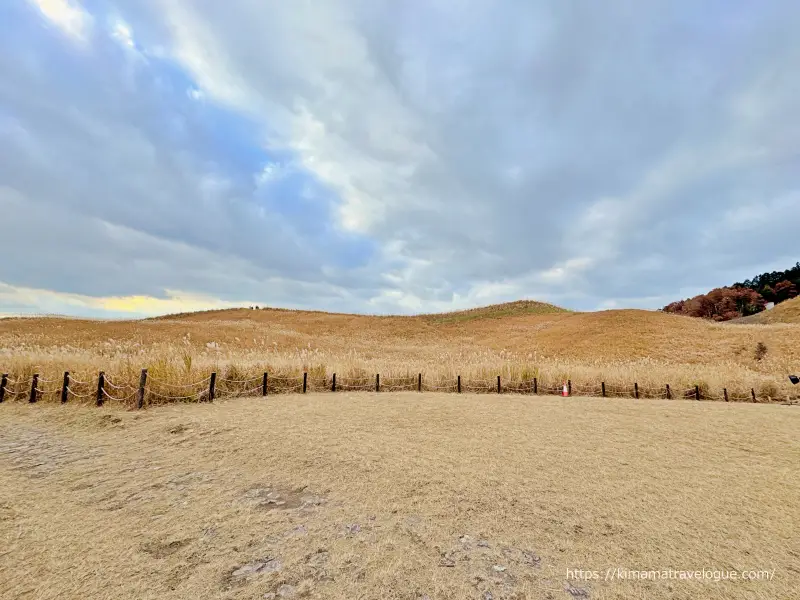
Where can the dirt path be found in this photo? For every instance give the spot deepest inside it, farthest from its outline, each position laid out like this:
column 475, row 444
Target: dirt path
column 397, row 496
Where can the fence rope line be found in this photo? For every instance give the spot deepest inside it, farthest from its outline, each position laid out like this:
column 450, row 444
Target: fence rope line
column 436, row 388
column 222, row 387
column 89, row 395
column 480, row 381
column 245, row 392
column 55, row 391
column 181, row 385
column 111, row 384
column 196, row 395
column 354, row 388
column 225, row 379
column 123, row 390
column 399, row 388
column 125, row 399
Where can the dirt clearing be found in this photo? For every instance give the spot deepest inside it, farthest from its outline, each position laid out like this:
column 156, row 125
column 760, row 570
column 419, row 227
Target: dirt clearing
column 400, row 496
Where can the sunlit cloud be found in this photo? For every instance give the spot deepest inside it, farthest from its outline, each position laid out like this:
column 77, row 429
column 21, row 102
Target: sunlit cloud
column 67, row 15
column 53, row 302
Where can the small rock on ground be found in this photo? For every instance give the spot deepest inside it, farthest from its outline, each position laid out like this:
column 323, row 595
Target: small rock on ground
column 530, row 558
column 575, row 592
column 353, row 528
column 318, row 559
column 257, row 567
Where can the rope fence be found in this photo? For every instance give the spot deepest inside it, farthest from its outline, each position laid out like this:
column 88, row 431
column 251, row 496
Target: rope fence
column 152, row 390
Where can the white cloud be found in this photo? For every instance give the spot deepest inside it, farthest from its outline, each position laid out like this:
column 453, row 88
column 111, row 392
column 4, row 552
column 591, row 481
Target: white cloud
column 67, row 15
column 272, row 171
column 121, row 32
column 566, row 271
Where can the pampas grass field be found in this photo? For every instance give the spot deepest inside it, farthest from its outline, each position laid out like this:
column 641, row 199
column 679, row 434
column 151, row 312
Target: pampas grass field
column 517, row 341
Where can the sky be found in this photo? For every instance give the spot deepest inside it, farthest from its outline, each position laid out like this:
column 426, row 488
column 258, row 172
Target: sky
column 367, row 156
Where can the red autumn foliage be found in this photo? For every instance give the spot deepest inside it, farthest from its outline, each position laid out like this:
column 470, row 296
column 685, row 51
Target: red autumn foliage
column 721, row 304
column 784, row 290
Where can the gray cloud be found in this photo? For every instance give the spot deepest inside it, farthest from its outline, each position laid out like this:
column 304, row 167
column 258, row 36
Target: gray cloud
column 579, row 153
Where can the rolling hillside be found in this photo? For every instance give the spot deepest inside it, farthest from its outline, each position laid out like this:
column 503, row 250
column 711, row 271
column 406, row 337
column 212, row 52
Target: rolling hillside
column 515, row 339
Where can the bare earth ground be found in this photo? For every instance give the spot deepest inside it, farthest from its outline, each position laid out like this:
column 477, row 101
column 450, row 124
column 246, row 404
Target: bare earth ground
column 397, row 496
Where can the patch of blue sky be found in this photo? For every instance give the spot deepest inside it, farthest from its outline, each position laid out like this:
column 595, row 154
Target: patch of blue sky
column 153, row 94
column 286, row 189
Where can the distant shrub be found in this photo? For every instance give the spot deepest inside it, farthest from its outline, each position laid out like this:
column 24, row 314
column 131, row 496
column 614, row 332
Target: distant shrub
column 760, row 351
column 721, row 304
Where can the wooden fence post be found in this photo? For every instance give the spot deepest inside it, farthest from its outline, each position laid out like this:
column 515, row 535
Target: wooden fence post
column 569, row 387
column 753, row 394
column 419, row 383
column 101, row 382
column 636, row 390
column 140, row 393
column 264, row 384
column 333, row 387
column 3, row 382
column 459, row 384
column 603, row 388
column 377, row 382
column 697, row 392
column 725, row 393
column 34, row 383
column 65, row 388
column 669, row 393
column 212, row 384
column 535, row 385
column 305, row 381
column 498, row 384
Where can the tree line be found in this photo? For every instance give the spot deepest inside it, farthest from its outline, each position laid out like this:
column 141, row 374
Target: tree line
column 742, row 298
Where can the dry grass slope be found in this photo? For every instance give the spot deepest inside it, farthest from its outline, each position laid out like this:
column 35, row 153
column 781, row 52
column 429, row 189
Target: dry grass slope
column 518, row 341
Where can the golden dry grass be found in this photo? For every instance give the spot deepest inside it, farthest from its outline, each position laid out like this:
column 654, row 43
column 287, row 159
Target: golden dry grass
column 381, row 491
column 517, row 341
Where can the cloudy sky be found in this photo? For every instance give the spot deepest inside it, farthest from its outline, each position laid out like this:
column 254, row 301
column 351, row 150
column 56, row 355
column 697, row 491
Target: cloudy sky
column 392, row 157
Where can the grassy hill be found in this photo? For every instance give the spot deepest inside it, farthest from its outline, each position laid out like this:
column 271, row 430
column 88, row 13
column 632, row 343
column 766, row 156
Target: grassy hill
column 517, row 340
column 494, row 311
